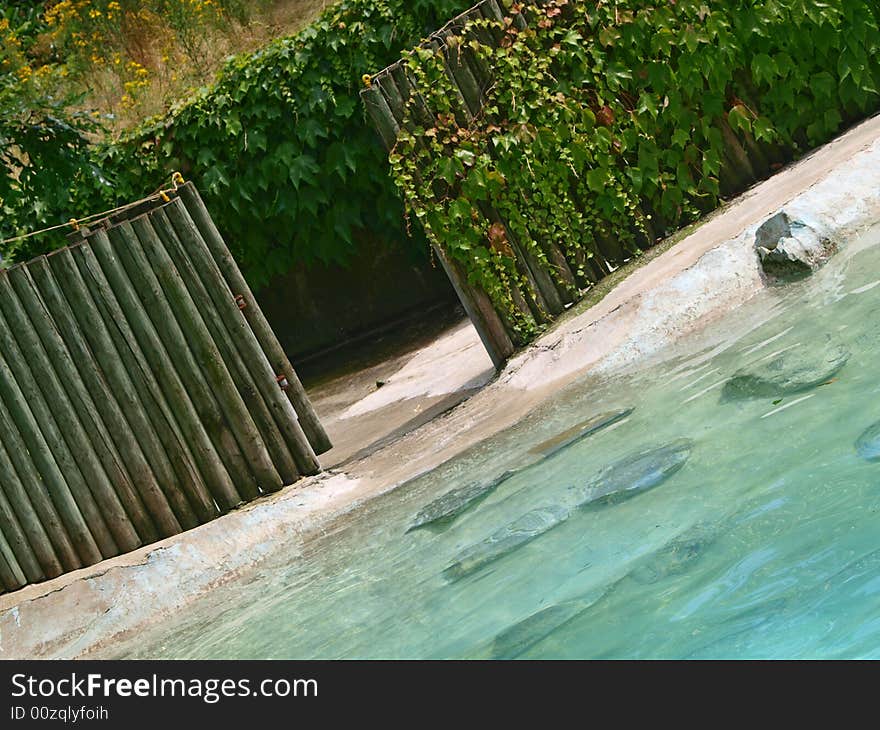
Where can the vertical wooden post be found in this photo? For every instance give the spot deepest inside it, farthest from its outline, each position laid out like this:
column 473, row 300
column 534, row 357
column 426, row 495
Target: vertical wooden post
column 17, row 532
column 15, row 492
column 123, row 364
column 48, row 470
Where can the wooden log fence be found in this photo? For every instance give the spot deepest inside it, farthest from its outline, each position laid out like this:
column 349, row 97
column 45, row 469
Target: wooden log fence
column 142, row 392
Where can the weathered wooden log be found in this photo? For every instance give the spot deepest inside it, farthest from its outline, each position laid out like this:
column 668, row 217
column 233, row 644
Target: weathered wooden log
column 51, row 424
column 393, row 97
column 129, row 285
column 240, row 344
column 587, row 272
column 492, row 331
column 416, row 104
column 491, row 11
column 120, row 506
column 12, row 528
column 739, row 167
column 480, row 69
column 543, row 300
column 308, row 419
column 12, row 577
column 519, row 20
column 489, row 325
column 399, row 73
column 122, row 362
column 381, row 114
column 26, row 424
column 33, row 504
column 112, row 391
column 101, row 418
column 216, row 373
column 282, row 459
column 460, row 108
column 460, row 73
column 548, row 297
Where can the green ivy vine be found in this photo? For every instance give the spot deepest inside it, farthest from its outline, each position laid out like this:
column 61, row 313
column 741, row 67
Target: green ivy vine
column 606, row 125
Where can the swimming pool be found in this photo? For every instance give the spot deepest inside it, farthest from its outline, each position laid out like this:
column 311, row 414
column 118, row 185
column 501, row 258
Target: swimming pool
column 760, row 542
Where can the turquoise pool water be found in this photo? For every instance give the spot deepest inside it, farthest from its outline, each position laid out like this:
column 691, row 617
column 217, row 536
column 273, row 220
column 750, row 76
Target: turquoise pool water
column 764, row 544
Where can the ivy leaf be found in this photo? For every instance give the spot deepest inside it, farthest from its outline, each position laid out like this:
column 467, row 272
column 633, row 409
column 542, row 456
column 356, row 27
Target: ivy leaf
column 823, row 85
column 764, row 68
column 596, row 180
column 448, row 169
column 763, row 130
column 302, row 168
column 460, row 208
column 681, row 138
column 739, row 119
column 616, row 75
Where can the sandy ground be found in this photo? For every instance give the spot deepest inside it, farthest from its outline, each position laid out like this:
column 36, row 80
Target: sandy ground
column 437, row 400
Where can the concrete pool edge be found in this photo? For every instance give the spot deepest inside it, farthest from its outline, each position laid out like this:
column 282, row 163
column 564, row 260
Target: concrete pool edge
column 707, row 273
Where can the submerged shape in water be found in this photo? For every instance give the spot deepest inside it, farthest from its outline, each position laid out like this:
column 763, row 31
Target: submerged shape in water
column 793, row 371
column 676, row 556
column 635, row 474
column 580, row 431
column 868, row 444
column 445, row 509
column 440, row 513
column 523, row 635
column 522, row 530
column 616, row 483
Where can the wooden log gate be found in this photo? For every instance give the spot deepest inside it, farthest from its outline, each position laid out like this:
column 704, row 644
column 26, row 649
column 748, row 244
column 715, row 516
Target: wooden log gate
column 142, row 392
column 387, row 100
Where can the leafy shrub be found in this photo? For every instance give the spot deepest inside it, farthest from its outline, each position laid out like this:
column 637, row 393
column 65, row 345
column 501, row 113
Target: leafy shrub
column 44, row 149
column 279, row 145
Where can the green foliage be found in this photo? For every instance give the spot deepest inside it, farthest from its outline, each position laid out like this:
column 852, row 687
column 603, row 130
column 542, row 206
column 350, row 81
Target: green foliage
column 44, row 150
column 279, row 145
column 617, row 122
